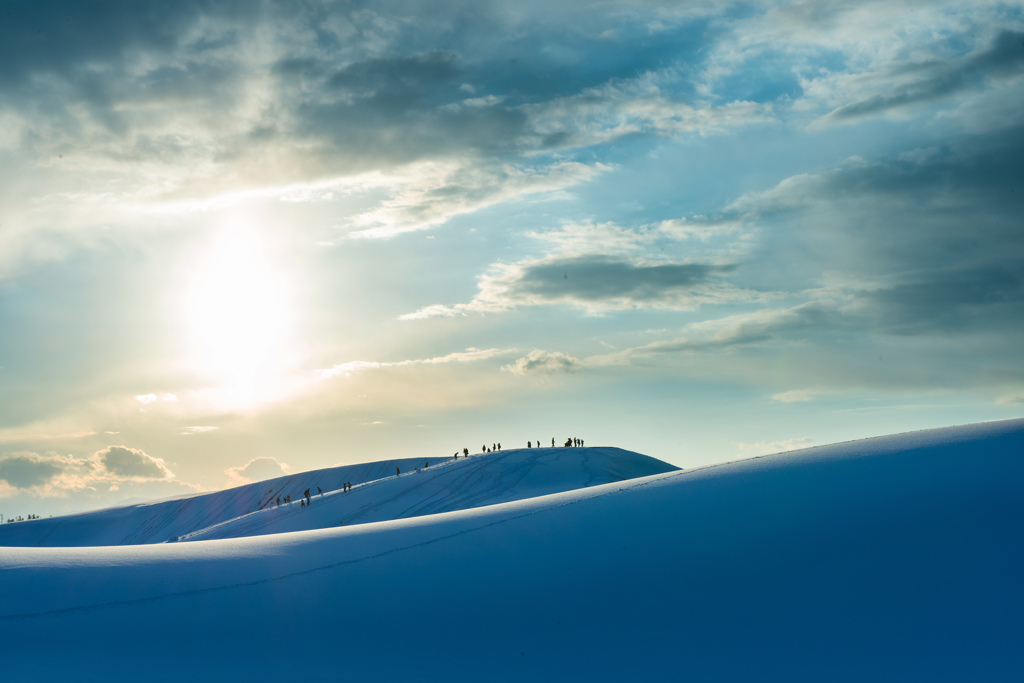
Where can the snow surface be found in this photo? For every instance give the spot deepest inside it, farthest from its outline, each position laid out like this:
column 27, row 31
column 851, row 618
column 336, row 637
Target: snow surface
column 159, row 521
column 889, row 559
column 377, row 494
column 497, row 477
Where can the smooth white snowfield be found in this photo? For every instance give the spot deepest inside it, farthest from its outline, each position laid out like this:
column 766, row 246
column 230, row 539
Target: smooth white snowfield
column 377, row 494
column 898, row 558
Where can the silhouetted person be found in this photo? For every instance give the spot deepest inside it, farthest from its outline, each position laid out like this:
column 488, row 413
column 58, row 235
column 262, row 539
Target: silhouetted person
column 465, row 452
column 528, row 444
column 279, row 500
column 499, row 445
column 303, row 503
column 307, row 496
column 552, row 442
column 426, row 465
column 398, row 472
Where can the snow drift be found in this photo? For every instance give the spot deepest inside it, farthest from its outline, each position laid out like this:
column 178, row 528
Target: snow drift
column 377, row 494
column 895, row 558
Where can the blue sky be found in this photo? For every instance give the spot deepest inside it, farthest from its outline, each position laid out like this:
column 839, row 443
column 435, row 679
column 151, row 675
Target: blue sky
column 240, row 238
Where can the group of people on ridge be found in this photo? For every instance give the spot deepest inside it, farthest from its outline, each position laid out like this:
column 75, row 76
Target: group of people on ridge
column 571, row 441
column 306, row 500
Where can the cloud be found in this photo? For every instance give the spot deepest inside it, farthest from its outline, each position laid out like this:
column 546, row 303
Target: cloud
column 125, row 462
column 784, row 324
column 110, row 468
column 432, row 194
column 602, row 267
column 147, row 399
column 795, row 395
column 638, row 106
column 355, row 367
column 257, row 469
column 769, row 447
column 926, row 241
column 199, row 429
column 595, row 283
column 26, row 470
column 543, row 362
column 915, row 83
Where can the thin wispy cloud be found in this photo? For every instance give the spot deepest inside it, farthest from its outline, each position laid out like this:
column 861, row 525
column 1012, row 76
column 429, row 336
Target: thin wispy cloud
column 355, row 367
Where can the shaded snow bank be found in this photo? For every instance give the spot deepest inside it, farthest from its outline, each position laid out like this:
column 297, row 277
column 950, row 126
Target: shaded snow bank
column 885, row 559
column 160, row 520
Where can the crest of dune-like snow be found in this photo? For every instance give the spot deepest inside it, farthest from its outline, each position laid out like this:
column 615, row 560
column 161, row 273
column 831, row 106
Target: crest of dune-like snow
column 453, row 484
column 377, row 494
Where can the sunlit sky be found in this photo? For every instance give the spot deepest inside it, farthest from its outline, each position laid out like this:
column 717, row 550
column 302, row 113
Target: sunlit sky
column 245, row 238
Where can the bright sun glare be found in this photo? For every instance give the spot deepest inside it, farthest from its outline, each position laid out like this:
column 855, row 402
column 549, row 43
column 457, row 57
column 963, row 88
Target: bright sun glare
column 238, row 313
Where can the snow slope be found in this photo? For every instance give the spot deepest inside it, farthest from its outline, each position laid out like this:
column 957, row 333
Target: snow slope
column 497, row 477
column 158, row 521
column 376, row 495
column 889, row 559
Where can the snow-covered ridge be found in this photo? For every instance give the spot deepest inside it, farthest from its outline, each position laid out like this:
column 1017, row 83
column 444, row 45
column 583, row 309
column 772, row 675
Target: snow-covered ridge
column 161, row 520
column 377, row 494
column 886, row 559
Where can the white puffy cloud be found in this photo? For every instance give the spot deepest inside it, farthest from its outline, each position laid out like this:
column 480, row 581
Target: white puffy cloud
column 111, row 468
column 125, row 462
column 256, row 469
column 26, row 469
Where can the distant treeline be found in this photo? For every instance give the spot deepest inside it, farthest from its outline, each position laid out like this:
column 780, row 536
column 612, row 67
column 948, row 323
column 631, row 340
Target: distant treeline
column 19, row 518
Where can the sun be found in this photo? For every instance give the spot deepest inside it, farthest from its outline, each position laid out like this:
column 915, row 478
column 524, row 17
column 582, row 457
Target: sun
column 238, row 311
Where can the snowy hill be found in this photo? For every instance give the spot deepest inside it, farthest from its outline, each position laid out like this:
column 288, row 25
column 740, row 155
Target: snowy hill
column 497, row 477
column 376, row 495
column 887, row 559
column 158, row 521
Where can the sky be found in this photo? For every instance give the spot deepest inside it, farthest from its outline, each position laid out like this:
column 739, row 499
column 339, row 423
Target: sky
column 239, row 239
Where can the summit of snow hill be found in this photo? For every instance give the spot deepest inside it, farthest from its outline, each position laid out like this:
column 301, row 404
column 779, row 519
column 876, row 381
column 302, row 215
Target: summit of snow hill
column 380, row 491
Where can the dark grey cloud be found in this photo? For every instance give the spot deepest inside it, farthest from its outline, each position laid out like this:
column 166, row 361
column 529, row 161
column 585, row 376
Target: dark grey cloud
column 600, row 278
column 929, row 241
column 931, row 80
column 63, row 37
column 123, row 461
column 953, row 300
column 25, row 470
column 354, row 85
